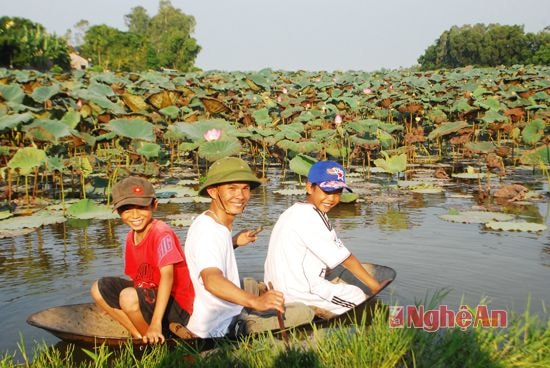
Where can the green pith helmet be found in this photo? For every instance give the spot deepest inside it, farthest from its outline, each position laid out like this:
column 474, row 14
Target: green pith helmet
column 229, row 170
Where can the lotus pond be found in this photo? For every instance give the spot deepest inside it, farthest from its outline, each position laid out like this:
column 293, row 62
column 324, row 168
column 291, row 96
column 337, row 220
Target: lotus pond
column 392, row 222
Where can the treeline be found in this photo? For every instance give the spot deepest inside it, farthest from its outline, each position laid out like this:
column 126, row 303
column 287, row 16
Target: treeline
column 486, row 46
column 161, row 41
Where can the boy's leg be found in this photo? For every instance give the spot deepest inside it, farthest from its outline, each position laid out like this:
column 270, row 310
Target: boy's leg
column 108, row 286
column 130, row 305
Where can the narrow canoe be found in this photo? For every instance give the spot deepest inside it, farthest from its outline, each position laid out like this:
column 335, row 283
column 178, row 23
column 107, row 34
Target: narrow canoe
column 87, row 325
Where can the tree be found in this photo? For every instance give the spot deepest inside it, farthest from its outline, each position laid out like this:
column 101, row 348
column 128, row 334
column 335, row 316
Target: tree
column 75, row 36
column 138, row 20
column 485, row 45
column 25, row 44
column 169, row 44
column 111, row 48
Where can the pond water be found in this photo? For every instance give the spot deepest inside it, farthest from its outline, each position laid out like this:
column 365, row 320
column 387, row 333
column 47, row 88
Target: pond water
column 57, row 264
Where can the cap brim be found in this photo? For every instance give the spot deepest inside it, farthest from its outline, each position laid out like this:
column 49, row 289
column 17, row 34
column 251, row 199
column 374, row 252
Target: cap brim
column 141, row 201
column 331, row 186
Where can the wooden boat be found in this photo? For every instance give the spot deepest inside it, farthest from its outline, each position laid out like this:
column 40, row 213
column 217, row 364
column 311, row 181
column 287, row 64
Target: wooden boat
column 87, row 325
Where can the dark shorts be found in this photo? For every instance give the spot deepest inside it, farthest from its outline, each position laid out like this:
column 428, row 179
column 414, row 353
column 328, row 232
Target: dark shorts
column 110, row 288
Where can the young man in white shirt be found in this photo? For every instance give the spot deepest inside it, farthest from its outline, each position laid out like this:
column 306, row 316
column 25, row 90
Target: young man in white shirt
column 303, row 246
column 209, row 250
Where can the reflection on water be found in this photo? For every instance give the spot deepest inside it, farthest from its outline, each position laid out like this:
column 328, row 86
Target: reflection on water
column 57, row 264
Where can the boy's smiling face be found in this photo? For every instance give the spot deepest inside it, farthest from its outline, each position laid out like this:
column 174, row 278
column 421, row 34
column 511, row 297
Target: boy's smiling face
column 137, row 217
column 323, row 201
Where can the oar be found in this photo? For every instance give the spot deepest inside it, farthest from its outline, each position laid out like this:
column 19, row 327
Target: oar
column 281, row 322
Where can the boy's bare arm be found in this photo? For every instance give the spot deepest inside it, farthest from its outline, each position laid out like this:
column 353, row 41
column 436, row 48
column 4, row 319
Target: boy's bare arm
column 354, row 266
column 216, row 283
column 154, row 332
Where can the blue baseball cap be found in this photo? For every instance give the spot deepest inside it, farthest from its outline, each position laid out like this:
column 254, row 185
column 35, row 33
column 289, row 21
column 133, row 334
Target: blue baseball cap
column 328, row 175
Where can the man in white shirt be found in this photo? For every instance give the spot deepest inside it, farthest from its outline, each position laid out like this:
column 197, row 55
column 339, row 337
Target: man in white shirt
column 303, row 246
column 209, row 250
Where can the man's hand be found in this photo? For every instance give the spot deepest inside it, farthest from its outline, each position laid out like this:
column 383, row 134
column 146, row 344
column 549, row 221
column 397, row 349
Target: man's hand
column 245, row 237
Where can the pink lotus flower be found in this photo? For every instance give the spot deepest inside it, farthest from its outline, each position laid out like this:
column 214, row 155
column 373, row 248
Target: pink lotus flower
column 279, row 99
column 338, row 120
column 285, row 91
column 367, row 91
column 212, row 135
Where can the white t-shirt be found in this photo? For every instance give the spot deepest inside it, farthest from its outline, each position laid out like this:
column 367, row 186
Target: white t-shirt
column 209, row 244
column 302, row 247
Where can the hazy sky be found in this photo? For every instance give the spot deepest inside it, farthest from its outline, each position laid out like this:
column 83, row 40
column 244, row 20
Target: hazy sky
column 300, row 34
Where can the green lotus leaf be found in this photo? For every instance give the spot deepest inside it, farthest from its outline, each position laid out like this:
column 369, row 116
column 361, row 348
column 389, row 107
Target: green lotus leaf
column 195, row 131
column 48, row 130
column 492, row 116
column 26, row 159
column 515, row 226
column 44, row 93
column 447, row 128
column 171, row 112
column 188, row 146
column 13, row 121
column 71, row 119
column 363, row 126
column 149, row 150
column 12, row 93
column 348, row 197
column 86, row 209
column 215, row 150
column 462, row 105
column 56, row 163
column 392, row 165
column 536, row 156
column 476, row 217
column 179, row 190
column 490, row 103
column 481, row 147
column 33, row 221
column 262, row 117
column 132, row 128
column 301, row 164
column 100, row 100
column 291, row 134
column 533, row 132
column 433, row 190
column 182, row 219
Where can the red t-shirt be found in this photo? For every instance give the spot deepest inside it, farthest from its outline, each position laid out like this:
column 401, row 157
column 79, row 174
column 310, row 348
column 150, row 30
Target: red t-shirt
column 159, row 248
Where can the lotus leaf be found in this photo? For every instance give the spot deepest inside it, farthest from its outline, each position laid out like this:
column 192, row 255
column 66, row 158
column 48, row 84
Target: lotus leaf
column 427, row 190
column 132, row 128
column 535, row 156
column 195, row 131
column 490, row 103
column 301, row 164
column 533, row 132
column 44, row 93
column 71, row 119
column 171, row 112
column 262, row 117
column 476, row 217
column 492, row 116
column 13, row 121
column 149, row 150
column 33, row 221
column 447, row 128
column 134, row 102
column 55, row 163
column 26, row 159
column 100, row 100
column 348, row 197
column 481, row 147
column 86, row 209
column 12, row 93
column 188, row 146
column 5, row 213
column 182, row 220
column 48, row 130
column 392, row 164
column 214, row 150
column 472, row 175
column 515, row 226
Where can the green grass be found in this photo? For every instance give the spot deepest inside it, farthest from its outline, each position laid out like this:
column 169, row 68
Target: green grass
column 524, row 343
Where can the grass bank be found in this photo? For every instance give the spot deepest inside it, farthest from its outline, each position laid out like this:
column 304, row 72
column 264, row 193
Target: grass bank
column 524, row 343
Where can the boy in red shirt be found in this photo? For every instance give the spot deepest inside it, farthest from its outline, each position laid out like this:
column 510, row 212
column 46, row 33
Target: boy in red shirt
column 160, row 290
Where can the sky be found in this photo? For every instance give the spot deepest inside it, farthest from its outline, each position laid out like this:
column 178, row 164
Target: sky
column 312, row 35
